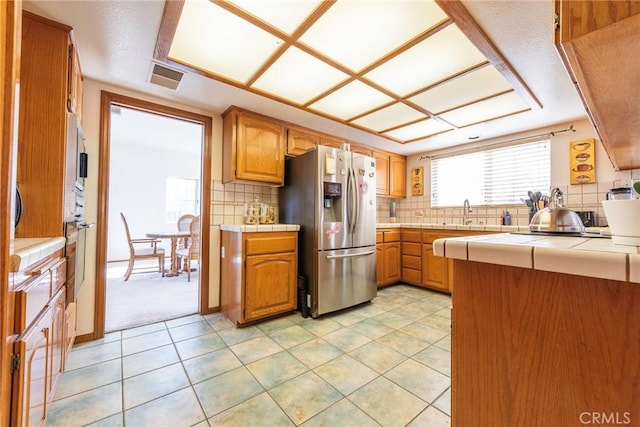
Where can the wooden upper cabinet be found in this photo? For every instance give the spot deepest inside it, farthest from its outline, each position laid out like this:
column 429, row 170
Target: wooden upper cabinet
column 361, row 149
column 300, row 141
column 598, row 43
column 382, row 172
column 391, row 170
column 46, row 160
column 253, row 148
column 397, row 176
column 74, row 85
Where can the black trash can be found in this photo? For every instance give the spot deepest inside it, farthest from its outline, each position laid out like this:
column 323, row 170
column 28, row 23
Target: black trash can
column 302, row 296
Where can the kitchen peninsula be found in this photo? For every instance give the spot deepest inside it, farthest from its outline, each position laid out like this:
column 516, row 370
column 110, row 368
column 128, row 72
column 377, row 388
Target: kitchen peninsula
column 545, row 330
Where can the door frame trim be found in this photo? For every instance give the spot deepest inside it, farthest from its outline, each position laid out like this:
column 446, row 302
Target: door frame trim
column 107, row 99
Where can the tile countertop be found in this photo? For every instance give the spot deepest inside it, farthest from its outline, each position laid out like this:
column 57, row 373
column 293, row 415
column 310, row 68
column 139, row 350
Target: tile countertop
column 582, row 256
column 434, row 226
column 264, row 228
column 27, row 251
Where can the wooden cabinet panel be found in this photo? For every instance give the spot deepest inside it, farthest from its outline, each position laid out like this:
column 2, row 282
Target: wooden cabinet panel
column 31, row 380
column 270, row 286
column 300, row 141
column 74, row 97
column 434, row 269
column 397, row 176
column 382, row 172
column 391, row 236
column 254, row 287
column 361, row 149
column 267, row 244
column 57, row 350
column 379, row 265
column 45, row 174
column 411, row 236
column 411, row 275
column 70, row 327
column 391, row 259
column 253, row 148
column 388, row 257
column 411, row 248
column 592, row 37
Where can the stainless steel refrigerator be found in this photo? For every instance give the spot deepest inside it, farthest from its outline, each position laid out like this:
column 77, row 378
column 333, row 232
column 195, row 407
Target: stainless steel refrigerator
column 331, row 194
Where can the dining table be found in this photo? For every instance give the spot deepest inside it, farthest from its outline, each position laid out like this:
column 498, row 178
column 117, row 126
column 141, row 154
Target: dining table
column 174, row 236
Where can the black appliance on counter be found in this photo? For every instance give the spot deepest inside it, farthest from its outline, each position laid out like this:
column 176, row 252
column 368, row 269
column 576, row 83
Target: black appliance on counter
column 588, row 218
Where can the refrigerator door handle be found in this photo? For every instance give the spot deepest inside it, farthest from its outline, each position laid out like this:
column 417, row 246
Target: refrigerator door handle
column 353, row 200
column 350, row 255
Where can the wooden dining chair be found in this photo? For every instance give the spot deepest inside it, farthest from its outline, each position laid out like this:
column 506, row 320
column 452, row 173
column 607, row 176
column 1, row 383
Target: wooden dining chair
column 142, row 249
column 192, row 251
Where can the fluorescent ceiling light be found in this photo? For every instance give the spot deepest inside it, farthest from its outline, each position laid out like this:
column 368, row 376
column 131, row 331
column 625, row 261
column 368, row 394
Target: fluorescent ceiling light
column 400, row 69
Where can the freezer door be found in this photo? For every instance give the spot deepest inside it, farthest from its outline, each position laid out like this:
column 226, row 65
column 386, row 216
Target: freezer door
column 331, row 198
column 364, row 175
column 345, row 278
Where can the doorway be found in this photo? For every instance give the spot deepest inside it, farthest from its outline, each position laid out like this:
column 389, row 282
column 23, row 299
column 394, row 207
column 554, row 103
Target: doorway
column 150, row 198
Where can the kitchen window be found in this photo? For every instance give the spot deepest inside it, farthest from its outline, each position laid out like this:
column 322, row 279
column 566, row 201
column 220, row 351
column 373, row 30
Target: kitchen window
column 499, row 176
column 181, row 198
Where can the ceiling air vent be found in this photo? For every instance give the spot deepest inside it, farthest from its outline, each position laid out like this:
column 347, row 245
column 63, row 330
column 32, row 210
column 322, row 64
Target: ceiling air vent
column 165, row 76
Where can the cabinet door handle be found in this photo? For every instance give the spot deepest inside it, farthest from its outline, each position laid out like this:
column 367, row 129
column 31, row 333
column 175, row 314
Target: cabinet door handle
column 350, row 255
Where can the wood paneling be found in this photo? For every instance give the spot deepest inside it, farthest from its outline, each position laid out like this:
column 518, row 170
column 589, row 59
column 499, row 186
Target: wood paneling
column 546, row 347
column 10, row 29
column 598, row 42
column 253, row 148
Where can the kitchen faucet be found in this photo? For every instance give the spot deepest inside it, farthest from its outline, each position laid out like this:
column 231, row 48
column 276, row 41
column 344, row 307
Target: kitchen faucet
column 466, row 209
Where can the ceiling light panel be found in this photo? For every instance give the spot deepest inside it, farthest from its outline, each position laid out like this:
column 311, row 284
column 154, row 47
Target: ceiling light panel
column 351, row 100
column 473, row 86
column 440, row 56
column 418, row 130
column 509, row 103
column 285, row 15
column 357, row 33
column 298, row 77
column 392, row 116
column 222, row 43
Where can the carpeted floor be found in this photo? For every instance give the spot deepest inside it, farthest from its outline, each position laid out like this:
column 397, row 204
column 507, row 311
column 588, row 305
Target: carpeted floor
column 147, row 298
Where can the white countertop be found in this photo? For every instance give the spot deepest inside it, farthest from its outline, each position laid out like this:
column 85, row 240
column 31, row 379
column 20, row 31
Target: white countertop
column 440, row 226
column 27, row 251
column 582, row 256
column 263, row 228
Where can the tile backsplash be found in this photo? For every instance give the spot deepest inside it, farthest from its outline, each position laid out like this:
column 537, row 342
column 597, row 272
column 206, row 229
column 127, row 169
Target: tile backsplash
column 417, row 209
column 228, row 202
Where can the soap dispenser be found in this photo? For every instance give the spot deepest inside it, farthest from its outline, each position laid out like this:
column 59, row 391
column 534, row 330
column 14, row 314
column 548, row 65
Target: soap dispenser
column 507, row 218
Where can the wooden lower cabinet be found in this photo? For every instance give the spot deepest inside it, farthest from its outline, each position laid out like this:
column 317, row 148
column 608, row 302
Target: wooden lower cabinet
column 540, row 348
column 435, row 270
column 412, row 256
column 270, row 285
column 388, row 257
column 258, row 274
column 40, row 353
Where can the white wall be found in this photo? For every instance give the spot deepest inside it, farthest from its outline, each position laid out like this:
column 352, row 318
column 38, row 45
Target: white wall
column 137, row 188
column 577, row 197
column 91, row 127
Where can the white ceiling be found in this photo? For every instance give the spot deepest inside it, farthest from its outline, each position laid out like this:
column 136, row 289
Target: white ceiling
column 116, row 41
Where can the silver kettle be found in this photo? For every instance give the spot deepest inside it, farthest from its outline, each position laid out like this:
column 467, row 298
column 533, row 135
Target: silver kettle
column 555, row 218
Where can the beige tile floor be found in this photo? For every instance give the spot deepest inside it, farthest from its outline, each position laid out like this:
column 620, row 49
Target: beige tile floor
column 383, row 363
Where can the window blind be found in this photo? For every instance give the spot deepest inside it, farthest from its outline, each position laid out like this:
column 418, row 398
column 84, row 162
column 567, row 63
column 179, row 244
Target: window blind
column 500, row 176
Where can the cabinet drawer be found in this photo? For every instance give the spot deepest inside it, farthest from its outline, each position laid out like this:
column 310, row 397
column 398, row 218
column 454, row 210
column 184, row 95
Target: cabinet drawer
column 430, row 236
column 31, row 297
column 270, row 243
column 58, row 276
column 379, row 237
column 411, row 276
column 411, row 261
column 409, row 248
column 392, row 236
column 411, row 236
